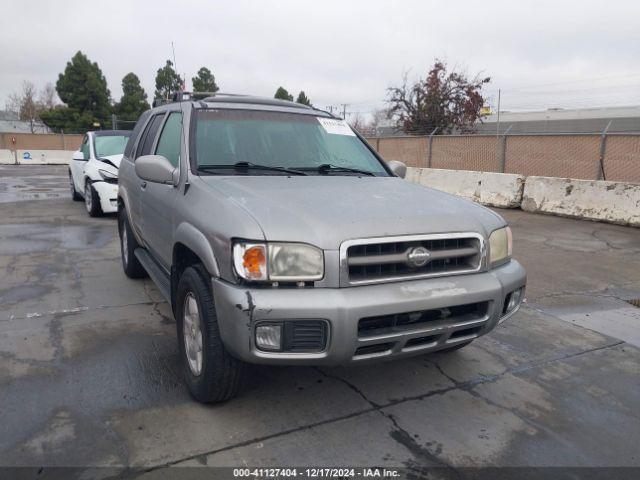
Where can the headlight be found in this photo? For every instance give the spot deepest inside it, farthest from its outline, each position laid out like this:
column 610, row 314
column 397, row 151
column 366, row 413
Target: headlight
column 500, row 245
column 107, row 175
column 295, row 262
column 278, row 262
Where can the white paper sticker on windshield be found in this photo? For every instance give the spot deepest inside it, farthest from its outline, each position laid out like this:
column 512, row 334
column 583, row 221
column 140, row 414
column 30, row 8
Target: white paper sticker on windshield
column 336, row 126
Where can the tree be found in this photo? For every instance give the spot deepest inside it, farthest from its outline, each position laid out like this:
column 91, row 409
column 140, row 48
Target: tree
column 368, row 128
column 48, row 97
column 444, row 100
column 358, row 123
column 134, row 99
column 30, row 106
column 67, row 119
column 204, row 81
column 303, row 99
column 167, row 81
column 83, row 88
column 282, row 94
column 24, row 102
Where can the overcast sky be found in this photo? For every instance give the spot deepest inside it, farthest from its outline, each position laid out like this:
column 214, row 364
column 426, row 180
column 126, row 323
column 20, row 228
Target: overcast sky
column 541, row 54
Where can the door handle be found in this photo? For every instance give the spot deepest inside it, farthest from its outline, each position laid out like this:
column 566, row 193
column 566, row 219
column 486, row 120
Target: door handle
column 143, row 185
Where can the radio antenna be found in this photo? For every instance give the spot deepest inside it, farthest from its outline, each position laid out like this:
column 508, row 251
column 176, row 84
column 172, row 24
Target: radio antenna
column 175, row 65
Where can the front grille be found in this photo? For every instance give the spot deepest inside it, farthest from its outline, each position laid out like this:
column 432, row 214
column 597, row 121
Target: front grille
column 399, row 258
column 400, row 322
column 305, row 336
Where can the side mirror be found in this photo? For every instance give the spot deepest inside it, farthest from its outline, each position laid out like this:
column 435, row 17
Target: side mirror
column 155, row 168
column 398, row 168
column 78, row 155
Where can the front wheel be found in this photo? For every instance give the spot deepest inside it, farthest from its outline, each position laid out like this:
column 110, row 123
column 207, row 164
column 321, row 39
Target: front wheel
column 211, row 373
column 92, row 200
column 75, row 196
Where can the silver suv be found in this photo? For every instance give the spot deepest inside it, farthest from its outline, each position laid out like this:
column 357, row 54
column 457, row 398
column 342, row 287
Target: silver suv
column 279, row 236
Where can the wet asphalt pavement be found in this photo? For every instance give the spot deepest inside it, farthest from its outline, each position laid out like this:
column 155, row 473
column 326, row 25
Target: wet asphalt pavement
column 89, row 370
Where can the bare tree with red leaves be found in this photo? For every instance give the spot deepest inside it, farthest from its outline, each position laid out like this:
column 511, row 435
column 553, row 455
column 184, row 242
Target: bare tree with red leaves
column 444, row 100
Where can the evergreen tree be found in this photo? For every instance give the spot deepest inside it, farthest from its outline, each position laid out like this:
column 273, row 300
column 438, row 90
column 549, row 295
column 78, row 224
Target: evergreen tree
column 167, row 81
column 282, row 94
column 303, row 99
column 204, row 81
column 83, row 88
column 134, row 99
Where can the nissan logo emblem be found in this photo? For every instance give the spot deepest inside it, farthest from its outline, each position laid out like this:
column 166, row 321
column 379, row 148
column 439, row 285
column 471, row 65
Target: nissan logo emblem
column 418, row 257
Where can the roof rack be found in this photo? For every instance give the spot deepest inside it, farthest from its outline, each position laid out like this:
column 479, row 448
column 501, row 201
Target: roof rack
column 181, row 96
column 213, row 97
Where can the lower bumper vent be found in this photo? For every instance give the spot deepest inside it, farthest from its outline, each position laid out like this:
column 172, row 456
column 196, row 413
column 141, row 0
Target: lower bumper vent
column 305, row 336
column 405, row 321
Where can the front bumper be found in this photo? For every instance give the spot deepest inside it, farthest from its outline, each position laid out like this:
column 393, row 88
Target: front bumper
column 239, row 309
column 108, row 194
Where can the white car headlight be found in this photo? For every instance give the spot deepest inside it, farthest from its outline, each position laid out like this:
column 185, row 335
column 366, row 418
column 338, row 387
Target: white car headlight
column 500, row 246
column 107, row 175
column 278, row 262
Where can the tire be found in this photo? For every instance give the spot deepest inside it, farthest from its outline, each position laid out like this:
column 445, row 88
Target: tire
column 220, row 375
column 455, row 347
column 75, row 196
column 92, row 200
column 128, row 243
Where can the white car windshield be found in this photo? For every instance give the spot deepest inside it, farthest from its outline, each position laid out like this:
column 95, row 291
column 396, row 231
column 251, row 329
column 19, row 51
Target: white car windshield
column 105, row 146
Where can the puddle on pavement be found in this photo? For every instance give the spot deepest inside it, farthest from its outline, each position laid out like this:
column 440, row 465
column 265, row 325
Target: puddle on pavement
column 18, row 239
column 44, row 187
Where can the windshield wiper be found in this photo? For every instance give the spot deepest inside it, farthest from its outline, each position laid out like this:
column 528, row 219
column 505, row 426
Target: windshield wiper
column 328, row 167
column 248, row 165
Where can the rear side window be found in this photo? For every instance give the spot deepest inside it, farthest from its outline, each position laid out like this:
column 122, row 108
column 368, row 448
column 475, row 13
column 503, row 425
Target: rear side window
column 149, row 135
column 169, row 142
column 128, row 150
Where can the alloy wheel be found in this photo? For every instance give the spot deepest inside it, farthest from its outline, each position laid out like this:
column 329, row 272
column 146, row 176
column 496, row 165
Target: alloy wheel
column 87, row 197
column 192, row 334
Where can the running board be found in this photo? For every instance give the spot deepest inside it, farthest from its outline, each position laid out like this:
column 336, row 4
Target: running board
column 159, row 277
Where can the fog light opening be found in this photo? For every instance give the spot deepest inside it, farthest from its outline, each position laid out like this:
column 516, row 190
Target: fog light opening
column 512, row 301
column 269, row 337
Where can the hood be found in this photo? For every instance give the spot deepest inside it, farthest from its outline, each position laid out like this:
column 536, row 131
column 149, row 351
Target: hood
column 115, row 159
column 327, row 210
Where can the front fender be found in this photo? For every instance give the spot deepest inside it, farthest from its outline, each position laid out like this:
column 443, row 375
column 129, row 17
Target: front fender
column 197, row 242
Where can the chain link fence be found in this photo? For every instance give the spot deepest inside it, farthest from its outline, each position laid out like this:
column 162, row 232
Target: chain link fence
column 598, row 156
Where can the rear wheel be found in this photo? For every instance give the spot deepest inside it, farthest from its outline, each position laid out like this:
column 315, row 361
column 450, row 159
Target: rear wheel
column 75, row 196
column 128, row 243
column 211, row 373
column 92, row 200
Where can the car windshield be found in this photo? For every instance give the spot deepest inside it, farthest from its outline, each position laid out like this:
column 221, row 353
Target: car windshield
column 307, row 143
column 110, row 145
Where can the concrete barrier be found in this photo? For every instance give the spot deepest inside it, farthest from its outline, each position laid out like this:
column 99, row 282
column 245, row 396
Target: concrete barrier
column 612, row 202
column 7, row 157
column 494, row 189
column 44, row 157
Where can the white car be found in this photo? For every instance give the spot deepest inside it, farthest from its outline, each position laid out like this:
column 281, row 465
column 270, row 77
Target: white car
column 93, row 171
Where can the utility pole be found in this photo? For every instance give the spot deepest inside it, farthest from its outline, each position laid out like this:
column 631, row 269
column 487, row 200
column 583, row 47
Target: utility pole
column 344, row 110
column 498, row 119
